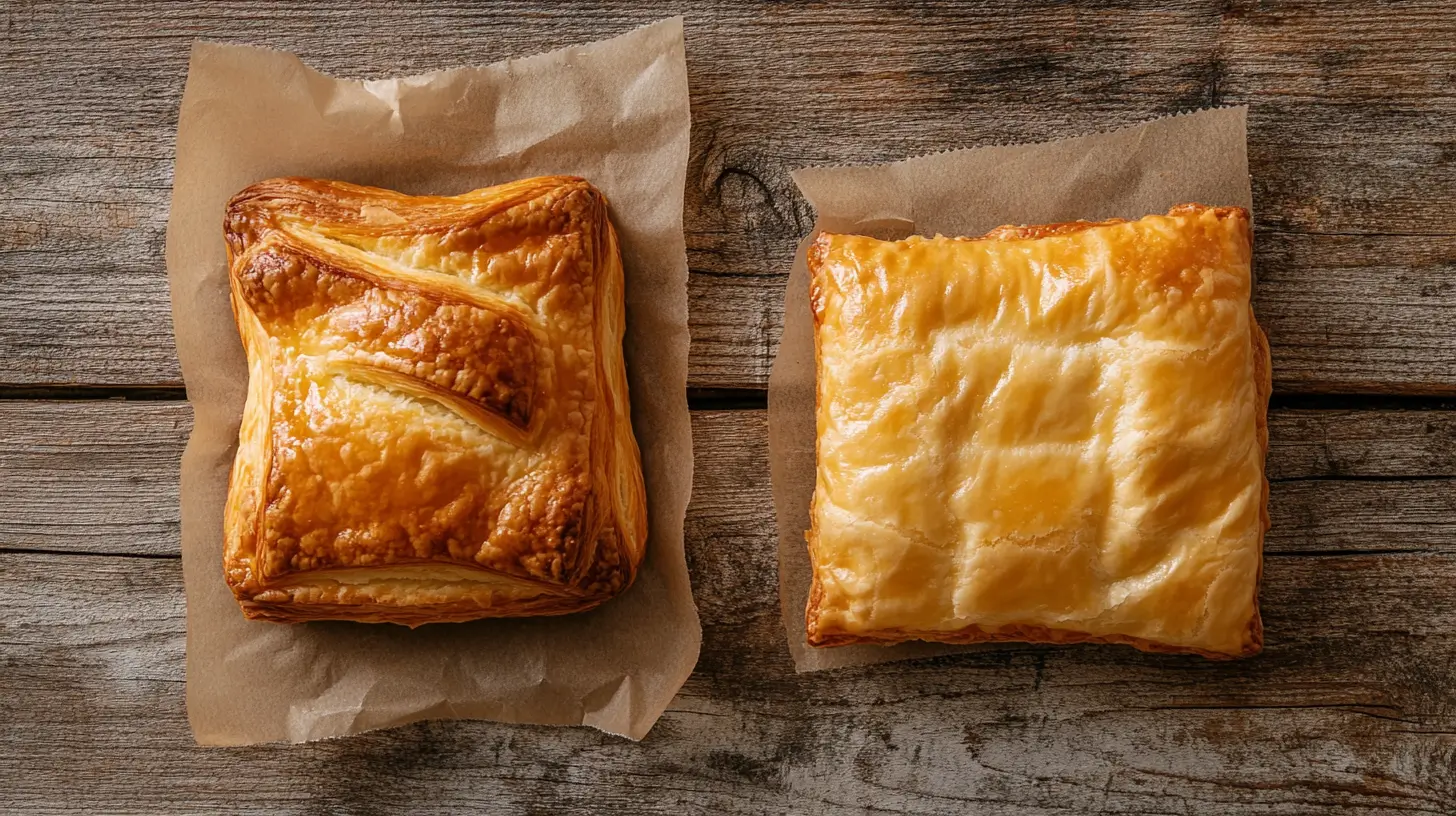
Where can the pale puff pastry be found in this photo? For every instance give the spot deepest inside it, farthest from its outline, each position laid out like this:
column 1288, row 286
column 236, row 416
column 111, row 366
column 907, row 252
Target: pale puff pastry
column 436, row 426
column 1052, row 433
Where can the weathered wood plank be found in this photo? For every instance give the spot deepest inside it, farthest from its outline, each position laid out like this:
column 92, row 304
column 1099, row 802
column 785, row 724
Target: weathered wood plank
column 1351, row 138
column 1361, row 444
column 98, row 476
column 1344, row 314
column 1351, row 709
column 101, row 477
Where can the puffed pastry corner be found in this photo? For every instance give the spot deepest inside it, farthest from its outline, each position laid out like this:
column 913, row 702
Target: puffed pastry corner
column 1053, row 433
column 436, row 426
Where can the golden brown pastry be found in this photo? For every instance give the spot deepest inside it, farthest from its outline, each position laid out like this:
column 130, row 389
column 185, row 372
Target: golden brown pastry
column 437, row 425
column 1051, row 433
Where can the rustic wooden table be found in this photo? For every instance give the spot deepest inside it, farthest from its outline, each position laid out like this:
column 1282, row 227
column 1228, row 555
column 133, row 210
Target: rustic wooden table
column 1352, row 145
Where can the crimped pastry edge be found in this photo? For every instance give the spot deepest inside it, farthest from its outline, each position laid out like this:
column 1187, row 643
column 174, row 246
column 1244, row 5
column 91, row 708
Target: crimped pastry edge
column 1035, row 633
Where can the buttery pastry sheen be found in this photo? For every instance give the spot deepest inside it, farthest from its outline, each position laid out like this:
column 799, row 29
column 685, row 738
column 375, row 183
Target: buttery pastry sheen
column 437, row 424
column 1052, row 433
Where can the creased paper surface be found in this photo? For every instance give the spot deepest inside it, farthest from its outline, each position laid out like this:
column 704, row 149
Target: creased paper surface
column 613, row 112
column 1131, row 172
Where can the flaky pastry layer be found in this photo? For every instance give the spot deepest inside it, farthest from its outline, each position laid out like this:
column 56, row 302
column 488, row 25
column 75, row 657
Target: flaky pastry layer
column 1052, row 433
column 437, row 425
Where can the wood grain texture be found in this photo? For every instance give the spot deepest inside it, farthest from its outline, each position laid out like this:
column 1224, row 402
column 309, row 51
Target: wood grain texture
column 1352, row 144
column 101, row 477
column 1351, row 709
column 1348, row 721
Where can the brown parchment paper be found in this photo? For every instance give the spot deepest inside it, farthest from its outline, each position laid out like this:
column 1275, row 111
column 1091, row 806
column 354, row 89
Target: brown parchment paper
column 1135, row 171
column 614, row 112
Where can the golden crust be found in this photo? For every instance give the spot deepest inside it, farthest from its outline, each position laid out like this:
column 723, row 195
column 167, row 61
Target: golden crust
column 1051, row 433
column 437, row 425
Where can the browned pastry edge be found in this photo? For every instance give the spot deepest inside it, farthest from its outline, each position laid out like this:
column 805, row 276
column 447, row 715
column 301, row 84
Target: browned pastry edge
column 618, row 492
column 305, row 602
column 293, row 611
column 1031, row 633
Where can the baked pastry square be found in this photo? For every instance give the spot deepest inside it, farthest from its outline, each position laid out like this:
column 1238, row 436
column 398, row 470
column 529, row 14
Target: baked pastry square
column 437, row 425
column 1051, row 433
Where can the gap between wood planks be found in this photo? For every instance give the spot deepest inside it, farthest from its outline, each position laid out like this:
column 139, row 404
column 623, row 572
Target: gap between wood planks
column 732, row 399
column 69, row 393
column 699, row 399
column 749, row 399
column 1302, row 554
